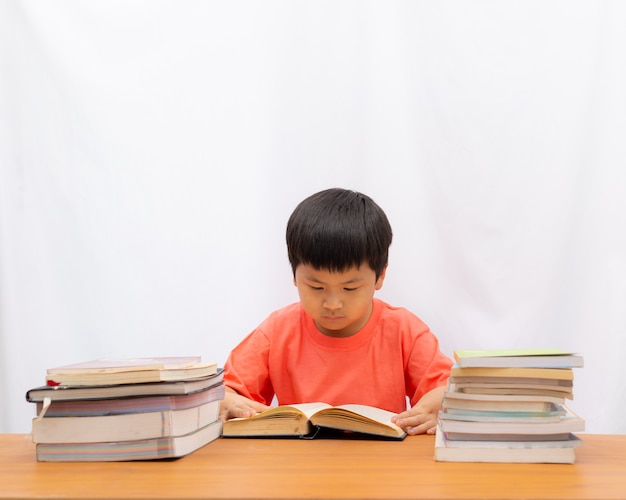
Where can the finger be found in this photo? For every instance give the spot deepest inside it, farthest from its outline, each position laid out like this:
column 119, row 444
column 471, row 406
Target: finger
column 259, row 407
column 409, row 421
column 245, row 412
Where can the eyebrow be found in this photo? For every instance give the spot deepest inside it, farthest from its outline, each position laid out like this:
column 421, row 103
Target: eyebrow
column 351, row 281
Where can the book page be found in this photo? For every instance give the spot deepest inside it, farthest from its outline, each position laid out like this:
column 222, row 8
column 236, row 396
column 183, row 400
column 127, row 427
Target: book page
column 370, row 412
column 306, row 409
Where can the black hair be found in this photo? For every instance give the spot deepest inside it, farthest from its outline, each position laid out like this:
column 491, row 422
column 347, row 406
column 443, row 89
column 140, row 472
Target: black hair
column 337, row 229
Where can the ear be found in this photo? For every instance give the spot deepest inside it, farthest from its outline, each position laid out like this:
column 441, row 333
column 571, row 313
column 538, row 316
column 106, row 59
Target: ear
column 381, row 279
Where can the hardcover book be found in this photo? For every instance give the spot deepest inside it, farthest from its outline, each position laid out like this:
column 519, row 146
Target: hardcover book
column 552, row 415
column 124, row 427
column 560, row 452
column 69, row 392
column 558, row 391
column 521, row 358
column 568, row 423
column 143, row 449
column 305, row 419
column 129, row 371
column 137, row 404
column 500, row 402
column 459, row 374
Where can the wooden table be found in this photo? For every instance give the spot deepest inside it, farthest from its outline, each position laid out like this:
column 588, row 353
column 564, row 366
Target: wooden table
column 292, row 468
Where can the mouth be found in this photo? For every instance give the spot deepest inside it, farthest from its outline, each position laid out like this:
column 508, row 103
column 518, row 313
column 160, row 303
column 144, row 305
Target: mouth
column 332, row 319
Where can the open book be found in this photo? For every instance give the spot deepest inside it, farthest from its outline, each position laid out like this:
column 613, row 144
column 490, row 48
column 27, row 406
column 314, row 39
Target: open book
column 305, row 419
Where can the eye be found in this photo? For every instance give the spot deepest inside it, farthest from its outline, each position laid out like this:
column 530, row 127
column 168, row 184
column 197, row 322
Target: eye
column 351, row 289
column 316, row 288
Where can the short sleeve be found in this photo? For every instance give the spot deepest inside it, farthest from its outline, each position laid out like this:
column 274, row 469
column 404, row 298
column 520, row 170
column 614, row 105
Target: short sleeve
column 246, row 370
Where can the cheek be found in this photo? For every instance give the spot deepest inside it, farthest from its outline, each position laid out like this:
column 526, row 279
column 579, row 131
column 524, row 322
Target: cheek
column 309, row 305
column 305, row 295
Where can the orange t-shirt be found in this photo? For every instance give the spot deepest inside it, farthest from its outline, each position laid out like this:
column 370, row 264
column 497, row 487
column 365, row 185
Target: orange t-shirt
column 394, row 356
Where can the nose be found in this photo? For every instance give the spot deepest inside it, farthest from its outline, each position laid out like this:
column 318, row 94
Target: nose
column 332, row 302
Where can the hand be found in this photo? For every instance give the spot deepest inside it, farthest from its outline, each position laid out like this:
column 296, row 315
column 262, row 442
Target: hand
column 234, row 405
column 422, row 418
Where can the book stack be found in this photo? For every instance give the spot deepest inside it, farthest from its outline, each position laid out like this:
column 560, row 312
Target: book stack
column 509, row 406
column 128, row 409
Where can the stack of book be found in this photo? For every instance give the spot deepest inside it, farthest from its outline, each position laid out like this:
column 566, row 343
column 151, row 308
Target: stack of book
column 509, row 406
column 128, row 409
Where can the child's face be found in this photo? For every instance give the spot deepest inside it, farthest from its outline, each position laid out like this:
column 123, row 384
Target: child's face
column 340, row 303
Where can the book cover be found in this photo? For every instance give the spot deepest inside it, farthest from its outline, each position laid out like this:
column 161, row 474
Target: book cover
column 136, row 404
column 69, row 392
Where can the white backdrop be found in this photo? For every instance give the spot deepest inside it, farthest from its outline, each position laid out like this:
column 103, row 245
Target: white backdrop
column 151, row 153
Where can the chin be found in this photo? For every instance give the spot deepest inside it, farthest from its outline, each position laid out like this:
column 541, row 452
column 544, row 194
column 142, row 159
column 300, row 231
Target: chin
column 331, row 329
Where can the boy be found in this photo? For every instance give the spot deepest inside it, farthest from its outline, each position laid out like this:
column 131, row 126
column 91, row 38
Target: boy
column 339, row 344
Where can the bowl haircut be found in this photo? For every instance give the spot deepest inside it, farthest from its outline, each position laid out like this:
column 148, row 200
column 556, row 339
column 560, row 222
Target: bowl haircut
column 337, row 229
